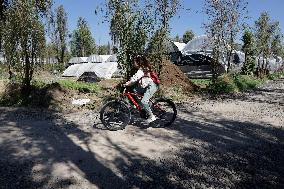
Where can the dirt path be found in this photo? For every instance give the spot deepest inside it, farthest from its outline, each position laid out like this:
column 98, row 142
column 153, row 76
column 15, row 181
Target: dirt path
column 235, row 142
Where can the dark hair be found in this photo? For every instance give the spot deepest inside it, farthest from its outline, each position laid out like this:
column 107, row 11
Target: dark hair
column 143, row 63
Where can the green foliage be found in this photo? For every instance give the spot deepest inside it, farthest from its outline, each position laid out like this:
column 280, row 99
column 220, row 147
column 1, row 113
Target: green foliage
column 223, row 84
column 225, row 20
column 103, row 49
column 3, row 71
column 133, row 25
column 276, row 75
column 234, row 83
column 203, row 83
column 38, row 97
column 187, row 36
column 248, row 48
column 59, row 34
column 24, row 36
column 80, row 86
column 245, row 82
column 276, row 45
column 267, row 34
column 82, row 42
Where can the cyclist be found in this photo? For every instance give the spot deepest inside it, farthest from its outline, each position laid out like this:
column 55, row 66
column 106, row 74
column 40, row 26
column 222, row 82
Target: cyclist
column 144, row 84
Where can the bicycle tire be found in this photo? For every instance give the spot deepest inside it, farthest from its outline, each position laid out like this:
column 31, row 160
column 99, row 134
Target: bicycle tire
column 160, row 112
column 119, row 108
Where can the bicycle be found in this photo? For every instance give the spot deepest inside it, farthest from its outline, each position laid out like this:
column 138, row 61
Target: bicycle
column 116, row 114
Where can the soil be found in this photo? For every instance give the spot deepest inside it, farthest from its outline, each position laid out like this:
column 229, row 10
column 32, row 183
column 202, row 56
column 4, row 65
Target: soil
column 171, row 75
column 233, row 142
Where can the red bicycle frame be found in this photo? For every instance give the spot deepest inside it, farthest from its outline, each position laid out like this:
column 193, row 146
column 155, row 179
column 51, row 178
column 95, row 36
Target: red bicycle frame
column 130, row 95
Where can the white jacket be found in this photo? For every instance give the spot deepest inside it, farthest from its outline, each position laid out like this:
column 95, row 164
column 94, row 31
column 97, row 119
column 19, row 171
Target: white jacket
column 144, row 80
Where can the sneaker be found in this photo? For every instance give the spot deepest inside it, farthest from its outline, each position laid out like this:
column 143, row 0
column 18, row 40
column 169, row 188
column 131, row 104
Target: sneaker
column 151, row 119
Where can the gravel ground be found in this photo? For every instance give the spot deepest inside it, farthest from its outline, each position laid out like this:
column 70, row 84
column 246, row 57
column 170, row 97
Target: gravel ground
column 231, row 142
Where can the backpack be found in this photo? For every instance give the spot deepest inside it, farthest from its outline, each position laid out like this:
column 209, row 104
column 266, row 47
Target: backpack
column 154, row 77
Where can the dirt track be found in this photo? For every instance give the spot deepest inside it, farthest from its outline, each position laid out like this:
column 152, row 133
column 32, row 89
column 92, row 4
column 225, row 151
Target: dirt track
column 235, row 142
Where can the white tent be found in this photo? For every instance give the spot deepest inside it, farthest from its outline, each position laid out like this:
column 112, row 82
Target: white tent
column 273, row 63
column 95, row 59
column 179, row 45
column 112, row 58
column 197, row 44
column 77, row 60
column 83, row 68
column 105, row 57
column 71, row 71
column 102, row 70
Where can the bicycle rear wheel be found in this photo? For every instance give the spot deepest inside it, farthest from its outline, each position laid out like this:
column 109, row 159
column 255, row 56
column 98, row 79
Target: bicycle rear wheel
column 165, row 111
column 115, row 115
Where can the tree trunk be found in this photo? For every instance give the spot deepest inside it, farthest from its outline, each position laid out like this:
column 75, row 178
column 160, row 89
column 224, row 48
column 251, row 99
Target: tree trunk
column 26, row 88
column 229, row 61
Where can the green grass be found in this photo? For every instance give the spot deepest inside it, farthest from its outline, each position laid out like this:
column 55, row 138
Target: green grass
column 234, row 83
column 275, row 75
column 80, row 86
column 71, row 84
column 203, row 83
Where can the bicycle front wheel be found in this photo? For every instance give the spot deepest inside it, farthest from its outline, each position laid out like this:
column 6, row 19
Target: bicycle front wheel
column 115, row 115
column 165, row 110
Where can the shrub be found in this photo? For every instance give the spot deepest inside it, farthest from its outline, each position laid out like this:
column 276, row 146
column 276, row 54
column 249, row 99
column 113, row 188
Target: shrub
column 223, row 84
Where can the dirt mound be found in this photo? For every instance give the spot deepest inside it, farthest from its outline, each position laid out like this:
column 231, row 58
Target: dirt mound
column 172, row 76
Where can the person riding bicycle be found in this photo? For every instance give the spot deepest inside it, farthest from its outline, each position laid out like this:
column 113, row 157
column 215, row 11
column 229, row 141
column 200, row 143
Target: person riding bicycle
column 145, row 84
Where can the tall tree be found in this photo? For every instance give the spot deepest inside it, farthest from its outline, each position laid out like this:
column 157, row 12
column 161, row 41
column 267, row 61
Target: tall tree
column 163, row 10
column 24, row 36
column 248, row 49
column 265, row 31
column 3, row 7
column 129, row 26
column 187, row 36
column 215, row 29
column 133, row 25
column 60, row 34
column 224, row 22
column 236, row 11
column 82, row 42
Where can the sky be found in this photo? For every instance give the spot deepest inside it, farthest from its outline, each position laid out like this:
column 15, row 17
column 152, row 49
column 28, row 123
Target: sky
column 190, row 17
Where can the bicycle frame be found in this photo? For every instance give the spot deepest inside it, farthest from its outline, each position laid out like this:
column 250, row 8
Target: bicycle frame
column 130, row 95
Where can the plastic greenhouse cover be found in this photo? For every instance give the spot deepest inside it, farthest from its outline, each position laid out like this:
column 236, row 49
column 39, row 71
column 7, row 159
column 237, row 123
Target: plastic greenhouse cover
column 112, row 58
column 71, row 70
column 179, row 45
column 199, row 43
column 102, row 70
column 77, row 60
column 105, row 57
column 95, row 58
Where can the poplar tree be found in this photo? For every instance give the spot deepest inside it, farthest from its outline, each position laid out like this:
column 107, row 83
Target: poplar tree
column 24, row 37
column 60, row 34
column 265, row 32
column 82, row 42
column 248, row 49
column 137, row 26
